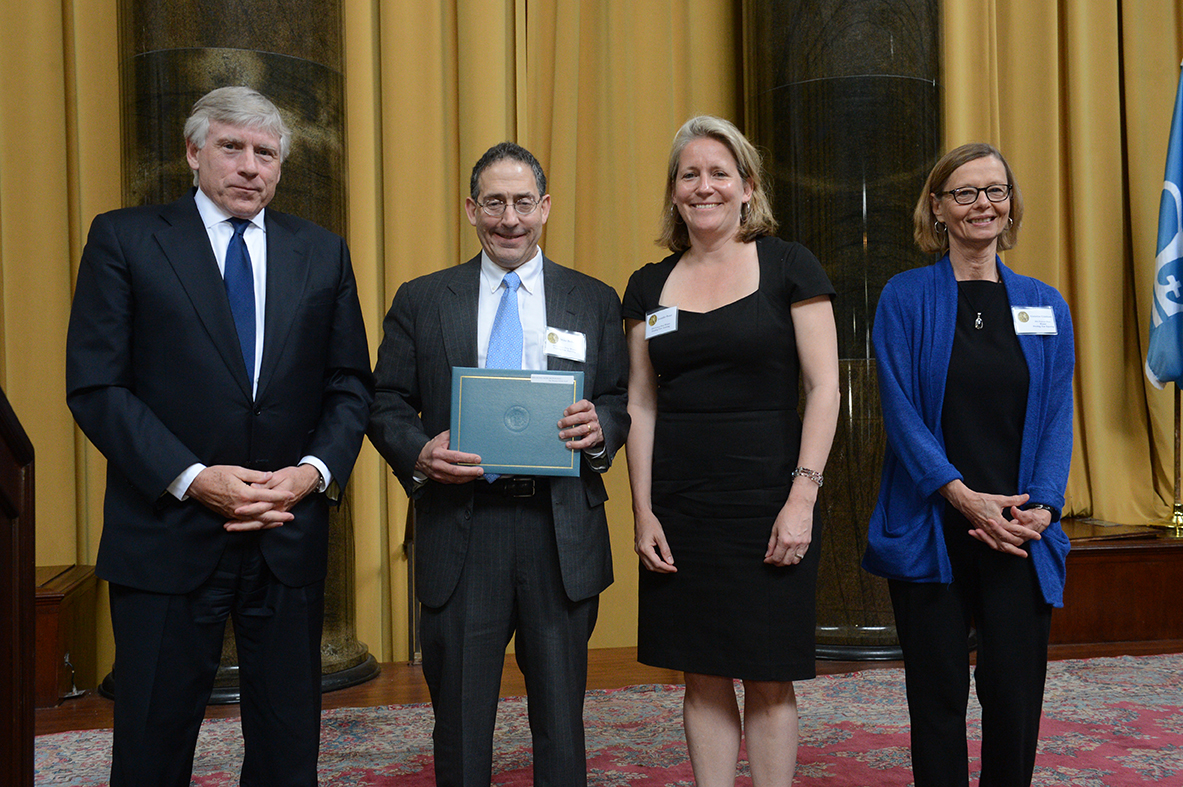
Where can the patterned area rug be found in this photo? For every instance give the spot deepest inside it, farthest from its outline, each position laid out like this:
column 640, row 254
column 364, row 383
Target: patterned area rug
column 1106, row 722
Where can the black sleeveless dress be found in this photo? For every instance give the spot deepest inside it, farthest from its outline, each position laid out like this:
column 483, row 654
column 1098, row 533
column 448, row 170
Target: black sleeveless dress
column 725, row 444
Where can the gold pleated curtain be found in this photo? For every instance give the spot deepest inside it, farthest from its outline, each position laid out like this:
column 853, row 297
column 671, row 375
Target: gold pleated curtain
column 1077, row 97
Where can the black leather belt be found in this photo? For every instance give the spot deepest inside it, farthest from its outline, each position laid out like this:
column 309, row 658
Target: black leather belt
column 512, row 486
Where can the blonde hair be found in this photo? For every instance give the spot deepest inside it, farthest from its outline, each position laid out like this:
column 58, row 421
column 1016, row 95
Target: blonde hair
column 757, row 221
column 924, row 221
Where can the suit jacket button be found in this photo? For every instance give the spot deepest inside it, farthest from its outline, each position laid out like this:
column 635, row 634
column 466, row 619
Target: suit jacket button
column 258, row 411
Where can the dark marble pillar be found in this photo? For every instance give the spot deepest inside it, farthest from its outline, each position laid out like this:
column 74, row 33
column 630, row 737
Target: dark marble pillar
column 172, row 52
column 843, row 95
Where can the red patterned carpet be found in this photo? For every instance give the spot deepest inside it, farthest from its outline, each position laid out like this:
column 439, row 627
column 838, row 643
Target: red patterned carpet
column 1116, row 721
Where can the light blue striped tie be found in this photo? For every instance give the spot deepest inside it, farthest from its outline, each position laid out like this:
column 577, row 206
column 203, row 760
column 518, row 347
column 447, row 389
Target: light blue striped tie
column 505, row 340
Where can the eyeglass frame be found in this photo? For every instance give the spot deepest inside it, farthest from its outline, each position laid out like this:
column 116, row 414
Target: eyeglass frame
column 484, row 206
column 977, row 192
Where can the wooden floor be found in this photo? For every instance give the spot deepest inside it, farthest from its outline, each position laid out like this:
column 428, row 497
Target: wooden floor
column 607, row 669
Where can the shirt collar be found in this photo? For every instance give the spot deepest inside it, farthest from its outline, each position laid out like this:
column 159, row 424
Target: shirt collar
column 211, row 214
column 530, row 272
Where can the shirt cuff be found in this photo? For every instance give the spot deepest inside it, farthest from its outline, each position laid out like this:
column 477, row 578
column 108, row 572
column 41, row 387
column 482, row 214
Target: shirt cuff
column 326, row 477
column 179, row 488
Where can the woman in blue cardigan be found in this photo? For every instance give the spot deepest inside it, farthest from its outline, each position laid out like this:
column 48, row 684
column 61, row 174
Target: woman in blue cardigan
column 975, row 378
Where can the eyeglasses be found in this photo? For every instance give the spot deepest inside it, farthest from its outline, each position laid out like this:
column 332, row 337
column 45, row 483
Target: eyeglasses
column 524, row 207
column 997, row 192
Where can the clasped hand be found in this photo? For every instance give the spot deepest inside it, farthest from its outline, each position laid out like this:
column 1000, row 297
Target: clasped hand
column 990, row 526
column 579, row 427
column 253, row 499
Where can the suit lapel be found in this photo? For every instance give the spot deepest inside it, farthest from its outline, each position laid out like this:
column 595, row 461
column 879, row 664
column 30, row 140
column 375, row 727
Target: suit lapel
column 560, row 308
column 186, row 246
column 458, row 313
column 287, row 273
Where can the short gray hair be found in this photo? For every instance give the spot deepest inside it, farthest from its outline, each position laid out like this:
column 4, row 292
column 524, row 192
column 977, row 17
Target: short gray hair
column 241, row 107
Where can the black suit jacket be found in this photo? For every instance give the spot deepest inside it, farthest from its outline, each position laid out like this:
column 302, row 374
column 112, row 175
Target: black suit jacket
column 156, row 379
column 431, row 327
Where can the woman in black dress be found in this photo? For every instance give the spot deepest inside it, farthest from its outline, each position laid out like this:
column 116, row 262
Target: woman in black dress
column 724, row 473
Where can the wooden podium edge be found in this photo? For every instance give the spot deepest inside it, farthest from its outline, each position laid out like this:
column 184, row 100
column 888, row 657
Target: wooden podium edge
column 17, row 594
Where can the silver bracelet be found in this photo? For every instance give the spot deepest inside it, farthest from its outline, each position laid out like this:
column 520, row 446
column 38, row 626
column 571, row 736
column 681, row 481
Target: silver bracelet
column 812, row 475
column 1039, row 507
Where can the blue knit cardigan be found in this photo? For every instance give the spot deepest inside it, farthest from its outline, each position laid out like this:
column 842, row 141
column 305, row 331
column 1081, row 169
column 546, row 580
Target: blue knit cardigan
column 913, row 337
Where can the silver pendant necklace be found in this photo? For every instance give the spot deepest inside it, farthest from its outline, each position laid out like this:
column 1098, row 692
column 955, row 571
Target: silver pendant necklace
column 973, row 307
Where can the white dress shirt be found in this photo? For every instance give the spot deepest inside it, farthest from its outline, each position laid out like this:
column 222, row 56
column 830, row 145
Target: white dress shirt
column 531, row 309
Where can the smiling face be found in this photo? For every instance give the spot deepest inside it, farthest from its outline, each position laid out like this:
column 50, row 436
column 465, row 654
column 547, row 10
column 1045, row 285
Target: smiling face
column 708, row 192
column 978, row 225
column 510, row 239
column 237, row 168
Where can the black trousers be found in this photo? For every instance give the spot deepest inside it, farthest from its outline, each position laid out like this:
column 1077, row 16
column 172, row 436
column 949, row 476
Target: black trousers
column 511, row 584
column 999, row 595
column 167, row 650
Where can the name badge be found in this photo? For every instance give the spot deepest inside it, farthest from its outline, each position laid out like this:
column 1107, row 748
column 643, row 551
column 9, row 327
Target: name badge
column 571, row 345
column 661, row 321
column 1034, row 320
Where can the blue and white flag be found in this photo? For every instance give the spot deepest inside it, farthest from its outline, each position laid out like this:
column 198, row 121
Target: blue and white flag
column 1164, row 357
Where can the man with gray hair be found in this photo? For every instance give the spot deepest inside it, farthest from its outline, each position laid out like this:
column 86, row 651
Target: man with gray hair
column 217, row 357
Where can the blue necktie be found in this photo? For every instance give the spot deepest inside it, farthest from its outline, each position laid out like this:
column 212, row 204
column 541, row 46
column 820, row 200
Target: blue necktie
column 240, row 289
column 505, row 340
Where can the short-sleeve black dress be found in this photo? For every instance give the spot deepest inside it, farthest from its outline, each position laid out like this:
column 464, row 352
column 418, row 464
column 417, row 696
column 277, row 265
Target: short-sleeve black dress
column 725, row 444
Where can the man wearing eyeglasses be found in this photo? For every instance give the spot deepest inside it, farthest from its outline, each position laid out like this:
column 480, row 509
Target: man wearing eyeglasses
column 519, row 555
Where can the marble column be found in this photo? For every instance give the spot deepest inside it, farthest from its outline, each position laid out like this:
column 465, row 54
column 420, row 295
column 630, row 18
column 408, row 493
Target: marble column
column 844, row 98
column 172, row 52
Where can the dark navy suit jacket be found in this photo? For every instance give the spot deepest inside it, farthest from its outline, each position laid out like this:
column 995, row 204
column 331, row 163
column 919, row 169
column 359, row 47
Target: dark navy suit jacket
column 156, row 379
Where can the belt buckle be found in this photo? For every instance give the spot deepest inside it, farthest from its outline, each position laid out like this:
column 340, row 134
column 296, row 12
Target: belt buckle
column 521, row 487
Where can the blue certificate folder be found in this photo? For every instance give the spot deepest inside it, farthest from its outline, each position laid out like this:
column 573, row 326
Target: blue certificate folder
column 510, row 418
